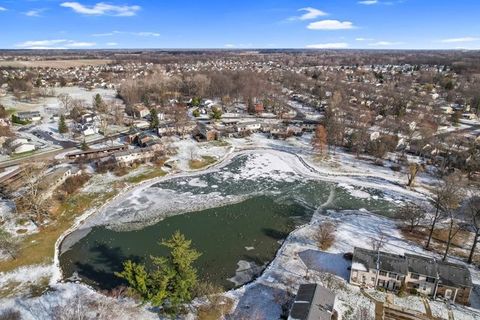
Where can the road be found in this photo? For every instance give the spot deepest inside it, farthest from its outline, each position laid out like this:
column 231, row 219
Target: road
column 45, row 136
column 65, row 146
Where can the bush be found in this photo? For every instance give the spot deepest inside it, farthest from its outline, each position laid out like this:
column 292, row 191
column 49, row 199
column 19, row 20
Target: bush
column 74, row 183
column 17, row 120
column 325, row 235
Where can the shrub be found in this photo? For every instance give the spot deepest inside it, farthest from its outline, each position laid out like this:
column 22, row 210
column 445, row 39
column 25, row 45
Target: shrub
column 74, row 183
column 325, row 235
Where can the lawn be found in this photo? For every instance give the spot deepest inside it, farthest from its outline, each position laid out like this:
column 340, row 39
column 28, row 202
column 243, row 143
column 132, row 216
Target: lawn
column 39, row 248
column 201, row 163
column 149, row 174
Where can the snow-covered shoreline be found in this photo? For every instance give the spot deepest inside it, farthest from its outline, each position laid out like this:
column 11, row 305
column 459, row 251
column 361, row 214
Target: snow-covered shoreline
column 299, row 163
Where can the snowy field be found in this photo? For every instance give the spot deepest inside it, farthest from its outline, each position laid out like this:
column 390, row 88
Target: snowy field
column 298, row 260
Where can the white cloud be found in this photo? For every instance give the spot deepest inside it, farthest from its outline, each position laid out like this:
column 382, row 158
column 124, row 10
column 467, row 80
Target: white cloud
column 457, row 40
column 310, row 13
column 368, row 2
column 75, row 44
column 146, row 34
column 140, row 34
column 364, row 39
column 238, row 45
column 54, row 44
column 3, row 9
column 333, row 45
column 112, row 44
column 102, row 8
column 331, row 25
column 34, row 13
column 384, row 44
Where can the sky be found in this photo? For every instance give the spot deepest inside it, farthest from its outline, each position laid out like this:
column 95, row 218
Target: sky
column 241, row 24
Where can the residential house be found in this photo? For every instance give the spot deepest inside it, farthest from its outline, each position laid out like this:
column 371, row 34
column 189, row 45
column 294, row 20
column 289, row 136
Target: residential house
column 21, row 145
column 259, row 108
column 169, row 129
column 96, row 153
column 129, row 157
column 313, row 302
column 32, row 116
column 250, row 126
column 206, row 131
column 140, row 111
column 424, row 275
column 455, row 282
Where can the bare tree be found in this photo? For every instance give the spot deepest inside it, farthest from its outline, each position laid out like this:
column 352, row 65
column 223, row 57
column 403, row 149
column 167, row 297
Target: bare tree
column 379, row 242
column 66, row 101
column 412, row 171
column 451, row 208
column 319, row 140
column 473, row 218
column 325, row 235
column 446, row 195
column 31, row 201
column 412, row 214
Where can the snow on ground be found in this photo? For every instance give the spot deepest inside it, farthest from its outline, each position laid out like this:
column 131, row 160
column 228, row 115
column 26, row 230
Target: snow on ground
column 299, row 261
column 74, row 301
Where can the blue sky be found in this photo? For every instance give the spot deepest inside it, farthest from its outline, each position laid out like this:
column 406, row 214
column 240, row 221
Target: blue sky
column 370, row 24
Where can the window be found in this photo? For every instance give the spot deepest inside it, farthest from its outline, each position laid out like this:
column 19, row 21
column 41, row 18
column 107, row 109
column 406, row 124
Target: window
column 381, row 283
column 416, row 286
column 392, row 275
column 383, row 273
column 373, row 279
column 431, row 280
column 415, row 276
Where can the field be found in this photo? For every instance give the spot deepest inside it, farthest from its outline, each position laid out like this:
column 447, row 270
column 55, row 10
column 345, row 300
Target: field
column 62, row 64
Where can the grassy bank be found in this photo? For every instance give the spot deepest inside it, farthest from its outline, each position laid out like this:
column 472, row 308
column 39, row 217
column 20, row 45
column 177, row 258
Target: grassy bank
column 201, row 163
column 39, row 248
column 149, row 174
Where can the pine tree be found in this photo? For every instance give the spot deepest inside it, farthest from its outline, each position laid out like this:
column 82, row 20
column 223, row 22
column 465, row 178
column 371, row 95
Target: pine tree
column 98, row 103
column 181, row 260
column 153, row 118
column 62, row 126
column 216, row 113
column 84, row 146
column 173, row 278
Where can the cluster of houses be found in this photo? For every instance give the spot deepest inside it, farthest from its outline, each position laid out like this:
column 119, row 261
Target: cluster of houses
column 386, row 271
column 227, row 128
column 87, row 76
column 415, row 273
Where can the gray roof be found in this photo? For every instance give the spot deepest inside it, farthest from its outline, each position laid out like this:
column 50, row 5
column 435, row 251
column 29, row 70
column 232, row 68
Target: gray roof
column 386, row 261
column 313, row 302
column 454, row 275
column 421, row 265
column 392, row 263
column 366, row 257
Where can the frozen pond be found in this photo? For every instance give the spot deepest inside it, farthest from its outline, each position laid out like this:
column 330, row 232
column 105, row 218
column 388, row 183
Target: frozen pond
column 237, row 216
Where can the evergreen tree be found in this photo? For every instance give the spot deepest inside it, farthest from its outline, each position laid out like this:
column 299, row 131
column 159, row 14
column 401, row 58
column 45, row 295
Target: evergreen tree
column 153, row 118
column 216, row 113
column 62, row 126
column 98, row 103
column 173, row 278
column 84, row 146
